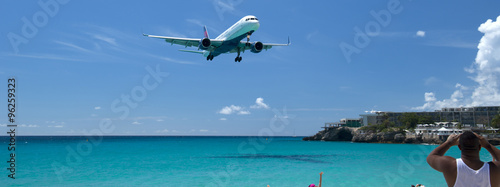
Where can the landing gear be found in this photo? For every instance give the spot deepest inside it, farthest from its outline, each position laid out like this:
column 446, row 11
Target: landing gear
column 238, row 58
column 248, row 39
column 210, row 57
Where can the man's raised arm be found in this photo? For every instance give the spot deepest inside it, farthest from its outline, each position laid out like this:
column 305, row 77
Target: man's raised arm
column 495, row 153
column 436, row 158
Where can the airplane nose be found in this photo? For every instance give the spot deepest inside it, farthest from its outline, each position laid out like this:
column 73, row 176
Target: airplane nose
column 256, row 25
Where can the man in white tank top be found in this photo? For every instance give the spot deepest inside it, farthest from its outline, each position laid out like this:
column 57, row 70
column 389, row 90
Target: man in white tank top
column 468, row 170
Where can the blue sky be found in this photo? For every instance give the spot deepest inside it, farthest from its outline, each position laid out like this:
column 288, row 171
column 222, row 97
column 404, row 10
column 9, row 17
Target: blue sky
column 85, row 55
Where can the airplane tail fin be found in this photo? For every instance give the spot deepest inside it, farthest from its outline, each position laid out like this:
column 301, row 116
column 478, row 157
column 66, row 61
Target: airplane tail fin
column 205, row 32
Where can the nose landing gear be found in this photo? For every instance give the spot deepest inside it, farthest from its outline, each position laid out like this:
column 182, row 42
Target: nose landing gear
column 248, row 39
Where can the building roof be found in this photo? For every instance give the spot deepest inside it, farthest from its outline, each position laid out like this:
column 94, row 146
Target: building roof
column 444, row 129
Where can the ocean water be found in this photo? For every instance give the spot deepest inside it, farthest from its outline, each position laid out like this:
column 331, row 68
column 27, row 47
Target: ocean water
column 216, row 161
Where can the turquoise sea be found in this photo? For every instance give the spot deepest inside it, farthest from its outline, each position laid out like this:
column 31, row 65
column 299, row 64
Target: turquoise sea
column 216, row 161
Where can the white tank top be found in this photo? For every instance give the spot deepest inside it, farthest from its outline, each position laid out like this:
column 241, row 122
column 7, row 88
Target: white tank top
column 467, row 177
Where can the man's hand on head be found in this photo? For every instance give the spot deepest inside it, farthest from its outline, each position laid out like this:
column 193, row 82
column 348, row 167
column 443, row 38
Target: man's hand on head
column 484, row 143
column 453, row 139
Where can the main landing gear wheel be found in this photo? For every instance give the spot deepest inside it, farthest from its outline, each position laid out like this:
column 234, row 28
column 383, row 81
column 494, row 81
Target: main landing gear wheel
column 238, row 59
column 210, row 57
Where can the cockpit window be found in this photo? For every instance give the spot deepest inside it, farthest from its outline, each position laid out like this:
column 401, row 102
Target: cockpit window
column 251, row 19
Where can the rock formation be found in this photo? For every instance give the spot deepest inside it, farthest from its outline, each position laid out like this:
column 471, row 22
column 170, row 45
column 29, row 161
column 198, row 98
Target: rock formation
column 354, row 135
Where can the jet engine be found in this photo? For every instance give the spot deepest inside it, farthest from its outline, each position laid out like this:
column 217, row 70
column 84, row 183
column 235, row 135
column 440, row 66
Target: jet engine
column 205, row 43
column 257, row 47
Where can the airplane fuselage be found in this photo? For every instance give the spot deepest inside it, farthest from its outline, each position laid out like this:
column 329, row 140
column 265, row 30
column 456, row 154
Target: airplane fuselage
column 234, row 34
column 240, row 28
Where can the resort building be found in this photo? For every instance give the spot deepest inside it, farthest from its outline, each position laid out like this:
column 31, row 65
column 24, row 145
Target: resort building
column 440, row 128
column 467, row 116
column 443, row 122
column 345, row 122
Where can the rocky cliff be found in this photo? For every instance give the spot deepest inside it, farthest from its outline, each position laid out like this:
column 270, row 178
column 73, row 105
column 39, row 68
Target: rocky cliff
column 333, row 134
column 354, row 135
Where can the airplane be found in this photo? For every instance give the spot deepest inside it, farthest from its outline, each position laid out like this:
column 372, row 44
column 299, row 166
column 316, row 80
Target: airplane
column 227, row 42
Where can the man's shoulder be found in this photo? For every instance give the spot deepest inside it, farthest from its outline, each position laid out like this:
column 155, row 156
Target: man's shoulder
column 450, row 162
column 450, row 159
column 447, row 164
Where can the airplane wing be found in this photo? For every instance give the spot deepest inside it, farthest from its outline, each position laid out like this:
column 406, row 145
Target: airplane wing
column 186, row 42
column 243, row 46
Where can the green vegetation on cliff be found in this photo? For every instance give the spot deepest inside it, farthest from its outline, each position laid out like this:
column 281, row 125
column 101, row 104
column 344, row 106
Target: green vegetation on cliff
column 410, row 120
column 386, row 126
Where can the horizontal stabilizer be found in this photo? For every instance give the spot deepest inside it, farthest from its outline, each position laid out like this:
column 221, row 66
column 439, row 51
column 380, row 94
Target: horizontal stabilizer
column 191, row 51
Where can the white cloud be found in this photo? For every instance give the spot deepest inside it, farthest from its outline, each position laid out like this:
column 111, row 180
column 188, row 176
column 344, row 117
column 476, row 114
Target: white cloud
column 195, row 21
column 487, row 74
column 225, row 6
column 169, row 32
column 223, row 119
column 259, row 103
column 244, row 112
column 172, row 60
column 203, row 130
column 55, row 124
column 43, row 56
column 24, row 125
column 230, row 109
column 487, row 65
column 429, row 97
column 420, row 33
column 136, row 123
column 3, row 125
column 109, row 40
column 97, row 108
column 430, row 81
column 234, row 109
column 160, row 120
column 73, row 46
column 456, row 99
column 199, row 23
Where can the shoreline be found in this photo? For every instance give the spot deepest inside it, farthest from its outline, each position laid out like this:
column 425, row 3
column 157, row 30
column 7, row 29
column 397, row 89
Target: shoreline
column 391, row 137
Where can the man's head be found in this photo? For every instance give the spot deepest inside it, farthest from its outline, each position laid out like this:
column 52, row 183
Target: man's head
column 469, row 142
